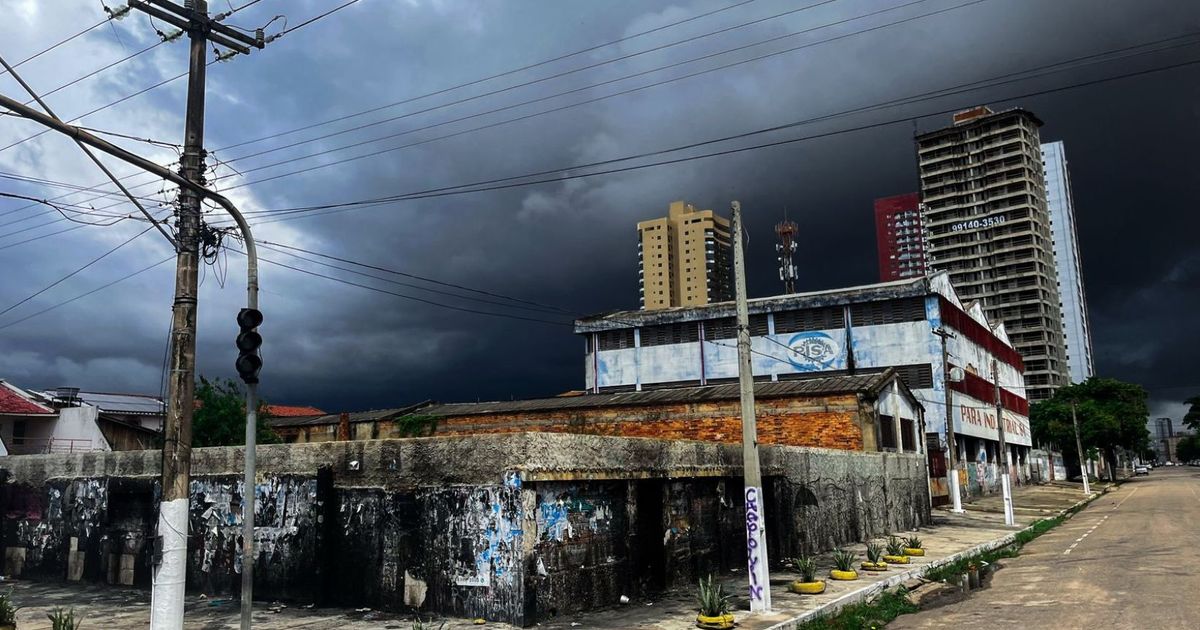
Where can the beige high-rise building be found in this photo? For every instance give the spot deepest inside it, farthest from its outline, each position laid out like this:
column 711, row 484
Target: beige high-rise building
column 684, row 258
column 984, row 190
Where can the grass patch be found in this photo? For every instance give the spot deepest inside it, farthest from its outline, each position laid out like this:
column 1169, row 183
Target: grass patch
column 869, row 615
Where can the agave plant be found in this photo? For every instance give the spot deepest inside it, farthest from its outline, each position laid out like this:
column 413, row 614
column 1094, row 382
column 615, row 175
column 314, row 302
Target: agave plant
column 712, row 598
column 913, row 542
column 874, row 553
column 806, row 566
column 422, row 625
column 63, row 620
column 894, row 547
column 843, row 559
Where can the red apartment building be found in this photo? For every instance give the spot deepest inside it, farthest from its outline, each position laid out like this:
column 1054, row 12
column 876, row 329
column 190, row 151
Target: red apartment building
column 899, row 237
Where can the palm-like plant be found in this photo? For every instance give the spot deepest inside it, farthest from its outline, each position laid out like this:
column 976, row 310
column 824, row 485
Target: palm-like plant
column 8, row 612
column 913, row 542
column 843, row 559
column 806, row 566
column 64, row 620
column 874, row 553
column 894, row 548
column 712, row 599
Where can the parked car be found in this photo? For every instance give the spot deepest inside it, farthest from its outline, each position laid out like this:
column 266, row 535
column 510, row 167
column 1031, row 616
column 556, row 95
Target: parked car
column 1141, row 470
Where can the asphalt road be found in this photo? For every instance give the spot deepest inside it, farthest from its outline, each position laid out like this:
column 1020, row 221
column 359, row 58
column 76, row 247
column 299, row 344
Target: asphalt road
column 1131, row 559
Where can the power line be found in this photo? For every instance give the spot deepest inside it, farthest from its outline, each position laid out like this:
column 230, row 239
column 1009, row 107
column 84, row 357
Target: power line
column 38, row 238
column 583, row 89
column 564, row 73
column 60, row 210
column 478, row 187
column 491, row 77
column 474, row 82
column 405, row 284
column 605, row 83
column 74, row 273
column 406, row 297
column 83, row 295
column 312, row 19
column 52, row 47
column 541, row 305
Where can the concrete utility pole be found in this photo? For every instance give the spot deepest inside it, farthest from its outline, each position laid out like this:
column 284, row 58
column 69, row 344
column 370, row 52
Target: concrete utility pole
column 756, row 532
column 952, row 471
column 1005, row 482
column 1079, row 447
column 185, row 184
column 170, row 574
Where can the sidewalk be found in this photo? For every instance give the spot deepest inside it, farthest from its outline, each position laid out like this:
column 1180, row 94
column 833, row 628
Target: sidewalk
column 950, row 536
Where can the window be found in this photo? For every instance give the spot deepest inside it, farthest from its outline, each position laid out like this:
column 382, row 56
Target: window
column 823, row 318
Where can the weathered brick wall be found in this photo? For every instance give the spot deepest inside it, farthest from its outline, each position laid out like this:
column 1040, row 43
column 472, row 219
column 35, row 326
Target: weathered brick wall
column 836, row 422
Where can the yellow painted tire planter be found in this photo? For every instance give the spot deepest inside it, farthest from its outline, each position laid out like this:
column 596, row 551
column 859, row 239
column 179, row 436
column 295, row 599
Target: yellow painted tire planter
column 874, row 566
column 843, row 575
column 896, row 559
column 715, row 623
column 808, row 588
column 913, row 551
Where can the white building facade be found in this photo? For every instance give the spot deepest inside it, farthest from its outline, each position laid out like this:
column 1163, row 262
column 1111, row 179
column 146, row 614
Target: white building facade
column 857, row 330
column 1077, row 330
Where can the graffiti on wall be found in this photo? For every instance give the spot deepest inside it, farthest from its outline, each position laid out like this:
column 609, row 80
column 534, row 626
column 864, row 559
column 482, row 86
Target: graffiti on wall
column 560, row 511
column 489, row 528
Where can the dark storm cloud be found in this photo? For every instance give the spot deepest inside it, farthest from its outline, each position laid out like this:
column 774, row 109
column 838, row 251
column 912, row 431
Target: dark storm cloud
column 573, row 243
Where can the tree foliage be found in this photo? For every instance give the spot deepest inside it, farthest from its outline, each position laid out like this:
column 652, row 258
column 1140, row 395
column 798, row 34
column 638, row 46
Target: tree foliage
column 1188, row 449
column 1112, row 414
column 1192, row 418
column 220, row 416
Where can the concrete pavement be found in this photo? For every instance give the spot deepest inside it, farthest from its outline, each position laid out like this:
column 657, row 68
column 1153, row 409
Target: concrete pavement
column 982, row 525
column 1128, row 560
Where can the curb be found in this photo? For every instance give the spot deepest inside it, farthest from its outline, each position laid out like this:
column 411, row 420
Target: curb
column 875, row 588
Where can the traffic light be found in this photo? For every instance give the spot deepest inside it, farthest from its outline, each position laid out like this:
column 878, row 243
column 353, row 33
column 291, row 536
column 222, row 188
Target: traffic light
column 248, row 340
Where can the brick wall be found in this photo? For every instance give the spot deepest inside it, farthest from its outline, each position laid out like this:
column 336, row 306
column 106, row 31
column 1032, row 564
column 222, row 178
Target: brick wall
column 836, row 422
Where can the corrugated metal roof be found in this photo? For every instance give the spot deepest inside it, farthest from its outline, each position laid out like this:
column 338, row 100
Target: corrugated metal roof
column 866, row 383
column 122, row 403
column 909, row 287
column 333, row 418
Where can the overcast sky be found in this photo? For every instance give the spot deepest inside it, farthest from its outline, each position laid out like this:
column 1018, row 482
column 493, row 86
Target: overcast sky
column 571, row 244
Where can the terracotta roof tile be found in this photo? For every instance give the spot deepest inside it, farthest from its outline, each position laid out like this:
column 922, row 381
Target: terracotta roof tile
column 13, row 401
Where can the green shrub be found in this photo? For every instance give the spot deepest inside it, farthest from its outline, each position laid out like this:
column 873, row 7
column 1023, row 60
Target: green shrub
column 894, row 548
column 844, row 559
column 712, row 598
column 874, row 553
column 913, row 542
column 8, row 612
column 806, row 566
column 63, row 620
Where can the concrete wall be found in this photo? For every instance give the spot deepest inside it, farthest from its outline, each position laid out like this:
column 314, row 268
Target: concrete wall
column 514, row 528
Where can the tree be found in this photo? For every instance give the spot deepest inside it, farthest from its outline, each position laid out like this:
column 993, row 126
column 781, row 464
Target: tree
column 220, row 416
column 1188, row 449
column 1112, row 415
column 1192, row 418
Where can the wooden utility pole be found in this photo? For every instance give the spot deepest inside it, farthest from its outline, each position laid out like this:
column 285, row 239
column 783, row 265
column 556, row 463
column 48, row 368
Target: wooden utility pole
column 951, row 439
column 756, row 536
column 170, row 572
column 1005, row 482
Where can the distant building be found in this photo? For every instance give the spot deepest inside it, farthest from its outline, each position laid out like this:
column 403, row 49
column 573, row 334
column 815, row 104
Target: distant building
column 987, row 222
column 855, row 331
column 67, row 420
column 900, row 237
column 684, row 258
column 1077, row 330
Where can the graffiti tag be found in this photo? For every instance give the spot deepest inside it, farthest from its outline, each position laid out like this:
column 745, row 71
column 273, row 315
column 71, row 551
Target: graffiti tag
column 753, row 554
